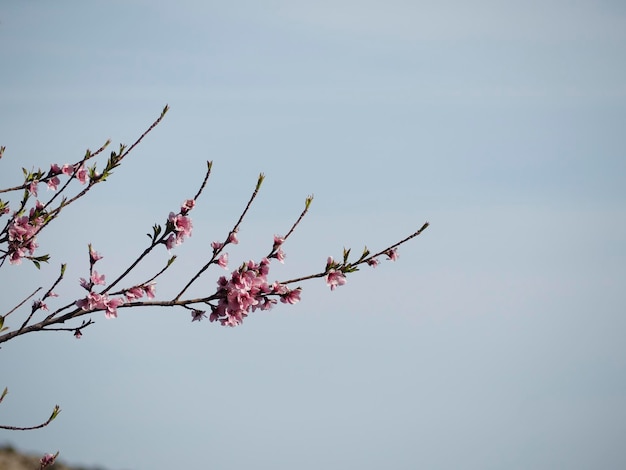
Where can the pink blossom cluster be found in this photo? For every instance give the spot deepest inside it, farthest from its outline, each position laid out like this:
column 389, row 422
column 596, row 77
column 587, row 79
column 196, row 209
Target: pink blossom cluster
column 137, row 292
column 82, row 174
column 246, row 291
column 22, row 239
column 22, row 231
column 47, row 460
column 180, row 224
column 95, row 301
column 277, row 251
column 222, row 261
column 392, row 254
column 334, row 277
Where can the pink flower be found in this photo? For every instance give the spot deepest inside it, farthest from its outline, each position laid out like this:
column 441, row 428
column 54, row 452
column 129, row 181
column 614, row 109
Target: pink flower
column 149, row 289
column 182, row 228
column 216, row 246
column 232, row 238
column 32, row 187
column 373, row 262
column 182, row 224
column 392, row 254
column 280, row 255
column 93, row 301
column 93, row 255
column 20, row 229
column 278, row 240
column 187, row 206
column 335, row 278
column 223, row 261
column 133, row 293
column 53, row 183
column 22, row 240
column 97, row 279
column 111, row 307
column 84, row 283
column 67, row 170
column 77, row 334
column 264, row 267
column 170, row 242
column 291, row 296
column 55, row 169
column 47, row 460
column 82, row 175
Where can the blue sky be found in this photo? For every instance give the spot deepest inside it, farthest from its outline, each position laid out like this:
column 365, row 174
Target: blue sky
column 495, row 341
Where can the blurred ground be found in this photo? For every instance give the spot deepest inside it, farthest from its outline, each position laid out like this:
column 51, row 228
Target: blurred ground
column 12, row 459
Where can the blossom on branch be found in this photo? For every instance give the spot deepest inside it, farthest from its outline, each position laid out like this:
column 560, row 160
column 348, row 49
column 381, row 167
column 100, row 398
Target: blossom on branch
column 392, row 254
column 94, row 301
column 237, row 295
column 246, row 291
column 22, row 240
column 335, row 278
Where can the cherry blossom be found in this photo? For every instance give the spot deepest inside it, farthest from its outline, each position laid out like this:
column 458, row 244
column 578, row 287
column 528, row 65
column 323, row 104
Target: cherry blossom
column 111, row 307
column 392, row 254
column 223, row 261
column 53, row 183
column 47, row 460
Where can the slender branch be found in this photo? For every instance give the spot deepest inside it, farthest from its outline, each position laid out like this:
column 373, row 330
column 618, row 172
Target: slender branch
column 307, row 204
column 395, row 245
column 22, row 302
column 235, row 229
column 54, row 414
column 364, row 260
column 161, row 239
column 154, row 124
column 132, row 266
column 35, row 308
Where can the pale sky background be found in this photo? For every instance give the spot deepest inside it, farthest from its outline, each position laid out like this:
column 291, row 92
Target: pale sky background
column 496, row 341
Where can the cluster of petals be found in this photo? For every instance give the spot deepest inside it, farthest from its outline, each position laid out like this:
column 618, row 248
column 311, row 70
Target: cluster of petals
column 94, row 280
column 137, row 292
column 22, row 240
column 222, row 261
column 334, row 277
column 81, row 172
column 246, row 291
column 47, row 460
column 392, row 254
column 182, row 228
column 94, row 255
column 94, row 301
column 53, row 181
column 187, row 206
column 277, row 251
column 32, row 187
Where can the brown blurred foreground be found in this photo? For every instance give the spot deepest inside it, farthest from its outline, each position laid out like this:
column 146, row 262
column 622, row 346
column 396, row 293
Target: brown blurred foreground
column 12, row 459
